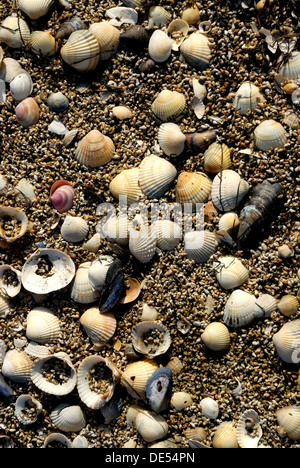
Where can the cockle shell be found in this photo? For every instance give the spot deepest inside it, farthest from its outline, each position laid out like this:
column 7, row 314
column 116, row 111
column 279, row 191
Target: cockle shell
column 21, row 85
column 126, row 184
column 35, row 8
column 10, row 281
column 95, row 149
column 42, row 43
column 217, row 158
column 230, row 272
column 15, row 32
column 106, row 376
column 68, row 418
column 265, row 305
column 9, row 68
column 247, row 98
column 108, row 37
column 62, row 195
column 81, row 51
column 43, row 326
column 158, row 16
column 171, row 139
column 248, row 430
column 62, row 374
column 19, row 223
column 116, row 229
column 27, row 409
column 156, row 175
column 200, row 245
column 239, row 309
column 178, row 30
column 228, row 190
column 270, row 134
column 191, row 15
column 122, row 112
column 135, row 377
column 287, row 342
column 134, row 3
column 196, row 50
column 132, row 291
column 169, row 106
column 121, row 15
column 216, row 336
column 151, row 426
column 57, row 272
column 291, row 66
column 225, row 436
column 288, row 417
column 288, row 305
column 17, row 366
column 5, row 306
column 57, row 439
column 82, row 290
column 209, row 408
column 181, row 400
column 150, row 338
column 74, row 229
column 196, row 433
column 160, row 46
column 168, row 234
column 98, row 269
column 193, row 187
column 27, row 112
column 142, row 243
column 229, row 222
column 99, row 327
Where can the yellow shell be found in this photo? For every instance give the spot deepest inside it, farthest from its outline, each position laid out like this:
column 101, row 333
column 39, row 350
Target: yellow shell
column 81, row 51
column 217, row 158
column 191, row 15
column 42, row 43
column 169, row 106
column 108, row 38
column 288, row 305
column 196, row 50
column 17, row 366
column 126, row 184
column 270, row 134
column 136, row 375
column 216, row 336
column 225, row 436
column 193, row 187
column 95, row 149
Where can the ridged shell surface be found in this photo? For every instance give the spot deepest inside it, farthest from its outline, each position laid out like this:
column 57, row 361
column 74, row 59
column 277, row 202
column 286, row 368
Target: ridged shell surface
column 217, row 158
column 43, row 326
column 168, row 234
column 228, row 190
column 287, row 342
column 216, row 336
column 17, row 366
column 82, row 290
column 193, row 187
column 95, row 149
column 42, row 43
column 24, row 402
column 35, row 8
column 200, row 245
column 116, row 229
column 291, row 68
column 239, row 309
column 98, row 269
column 270, row 134
column 108, row 38
column 150, row 338
column 10, row 281
column 126, row 184
column 289, row 418
column 74, row 229
column 158, row 16
column 230, row 272
column 248, row 430
column 169, row 106
column 142, row 243
column 99, row 327
column 247, row 98
column 225, row 436
column 156, row 175
column 135, row 377
column 68, row 418
column 171, row 139
column 15, row 32
column 81, row 51
column 196, row 50
column 65, row 380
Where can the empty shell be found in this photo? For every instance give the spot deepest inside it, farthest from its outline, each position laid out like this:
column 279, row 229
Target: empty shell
column 196, row 50
column 27, row 112
column 193, row 187
column 230, row 272
column 228, row 190
column 13, row 223
column 126, row 184
column 27, row 409
column 171, row 139
column 217, row 158
column 169, row 106
column 150, row 338
column 225, row 436
column 291, row 66
column 74, row 229
column 248, row 430
column 99, row 327
column 287, row 342
column 10, row 281
column 239, row 309
column 43, row 326
column 156, row 175
column 136, row 375
column 68, row 418
column 247, row 98
column 216, row 336
column 21, row 85
column 229, row 222
column 209, row 408
column 57, row 439
column 288, row 417
column 200, row 245
column 158, row 389
column 270, row 134
column 35, row 9
column 54, row 374
column 160, row 46
column 81, row 51
column 95, row 149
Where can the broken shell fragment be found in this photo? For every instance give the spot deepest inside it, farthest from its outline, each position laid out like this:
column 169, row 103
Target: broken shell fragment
column 54, row 374
column 230, row 272
column 94, row 149
column 13, row 223
column 150, row 338
column 248, row 430
column 10, row 281
column 169, row 106
column 100, row 327
column 228, row 190
column 288, row 417
column 27, row 112
column 68, row 418
column 136, row 375
column 270, row 134
column 27, row 409
column 216, row 336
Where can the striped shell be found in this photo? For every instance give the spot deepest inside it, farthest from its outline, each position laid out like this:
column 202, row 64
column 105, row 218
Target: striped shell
column 228, row 190
column 68, row 418
column 135, row 377
column 108, row 38
column 230, row 272
column 62, row 379
column 98, row 269
column 196, row 50
column 265, row 305
column 200, row 245
column 43, row 326
column 9, row 68
column 171, row 139
column 287, row 342
column 270, row 134
column 288, row 417
column 74, row 229
column 169, row 106
column 291, row 68
column 17, row 366
column 81, row 51
column 229, row 222
column 193, row 187
column 216, row 336
column 158, row 16
column 35, row 9
column 62, row 195
column 95, row 149
column 99, row 327
column 142, row 243
column 168, row 234
column 15, row 32
column 217, row 158
column 156, row 175
column 27, row 112
column 239, row 309
column 225, row 436
column 42, row 43
column 191, row 15
column 150, row 339
column 160, row 46
column 288, row 305
column 82, row 289
column 247, row 98
column 116, row 229
column 126, row 184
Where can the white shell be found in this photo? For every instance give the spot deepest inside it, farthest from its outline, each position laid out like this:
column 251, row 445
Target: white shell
column 230, row 272
column 15, row 32
column 74, row 229
column 247, row 98
column 291, row 68
column 9, row 68
column 23, row 403
column 17, row 366
column 229, row 221
column 288, row 417
column 54, row 387
column 239, row 309
column 126, row 184
column 98, row 270
column 228, row 190
column 169, row 106
column 156, row 176
column 82, row 290
column 81, row 51
column 116, row 229
column 151, row 426
column 35, row 8
column 171, row 139
column 42, row 43
column 5, row 305
column 270, row 134
column 43, row 326
column 168, row 234
column 99, row 327
column 160, row 46
column 21, row 85
column 196, row 50
column 158, row 335
column 68, row 418
column 209, row 408
column 287, row 342
column 142, row 243
column 265, row 305
column 248, row 430
column 10, row 281
column 216, row 336
column 181, row 400
column 200, row 245
column 158, row 16
column 57, row 438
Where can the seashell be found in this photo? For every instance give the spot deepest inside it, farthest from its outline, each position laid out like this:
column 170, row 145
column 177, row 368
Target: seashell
column 265, row 305
column 200, row 245
column 36, row 350
column 100, row 327
column 175, row 365
column 288, row 417
column 156, row 175
column 9, row 68
column 95, row 149
column 291, row 66
column 160, row 46
column 80, row 442
column 108, row 38
column 60, row 378
column 164, row 444
column 216, row 336
column 158, row 389
column 17, row 366
column 25, row 191
column 57, row 440
column 3, row 183
column 248, row 430
column 6, row 392
column 239, row 309
column 112, row 409
column 27, row 112
column 269, row 134
column 126, row 184
column 43, row 326
column 199, row 89
column 168, row 234
column 150, row 339
column 82, row 290
column 68, row 418
column 284, row 251
column 10, row 281
column 62, row 195
column 287, row 342
column 247, row 98
column 136, row 36
column 228, row 190
column 191, row 15
column 15, row 32
column 132, row 413
column 196, row 50
column 198, row 107
column 132, row 291
column 171, row 139
column 35, row 8
column 47, row 270
column 225, row 436
column 69, row 26
column 81, row 51
column 198, row 141
column 230, row 272
column 96, row 381
column 196, row 433
column 288, row 305
column 217, row 158
column 13, row 223
column 209, row 408
column 169, row 106
column 148, row 313
column 134, row 3
column 21, row 85
column 98, row 269
column 181, row 400
column 121, row 15
column 158, row 16
column 151, row 426
column 229, row 222
column 4, row 306
column 2, row 92
column 122, row 112
column 178, row 30
column 58, row 128
column 142, row 243
column 290, row 119
column 69, row 137
column 116, row 229
column 58, row 102
column 74, row 229
column 42, row 44
column 135, row 377
column 27, row 409
column 193, row 187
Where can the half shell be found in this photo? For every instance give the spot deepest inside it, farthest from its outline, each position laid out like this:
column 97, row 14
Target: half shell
column 171, row 139
column 54, row 374
column 181, row 400
column 248, row 430
column 81, row 51
column 126, row 184
column 95, row 149
column 82, row 289
column 21, row 86
column 225, row 436
column 151, row 426
column 288, row 305
column 17, row 366
column 168, row 234
column 13, row 223
column 217, row 158
column 209, row 408
column 239, row 309
column 196, row 50
column 35, row 8
column 200, row 245
column 27, row 112
column 156, row 175
column 169, row 106
column 10, row 281
column 142, row 243
column 247, row 98
column 99, row 327
column 108, row 38
column 27, row 409
column 291, row 68
column 150, row 338
column 68, row 418
column 116, row 229
column 230, row 272
column 216, row 336
column 42, row 43
column 270, row 134
column 43, row 326
column 74, row 229
column 228, row 190
column 15, row 32
column 158, row 16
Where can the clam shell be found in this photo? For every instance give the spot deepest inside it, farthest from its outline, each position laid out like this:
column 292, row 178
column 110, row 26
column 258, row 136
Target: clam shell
column 193, row 187
column 248, row 430
column 160, row 46
column 56, row 439
column 116, row 229
column 287, row 342
column 81, row 51
column 225, row 436
column 178, row 30
column 171, row 139
column 169, row 106
column 228, row 190
column 126, row 184
column 265, row 305
column 35, row 8
column 200, row 245
column 216, row 336
column 181, row 400
column 142, row 243
column 59, row 271
column 121, row 15
column 196, row 433
column 196, row 50
column 10, row 281
column 209, row 408
column 217, row 158
column 9, row 68
column 108, row 37
column 239, row 309
column 68, row 418
column 106, row 375
column 158, row 389
column 95, row 149
column 148, row 313
column 247, row 98
column 82, row 290
column 100, row 327
column 42, row 43
column 270, row 134
column 191, row 15
column 62, row 195
column 19, row 223
column 43, row 326
column 135, row 377
column 288, row 417
column 151, row 426
column 132, row 291
column 150, row 338
column 74, row 229
column 156, row 175
column 122, row 112
column 15, row 32
column 230, row 272
column 17, row 366
column 27, row 112
column 291, row 68
column 62, row 378
column 98, row 269
column 288, row 305
column 158, row 16
column 21, row 86
column 168, row 234
column 58, row 102
column 25, row 191
column 229, row 222
column 27, row 409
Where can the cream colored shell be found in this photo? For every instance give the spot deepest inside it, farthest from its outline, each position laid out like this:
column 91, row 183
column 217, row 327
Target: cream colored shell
column 151, row 426
column 126, row 184
column 108, row 37
column 200, row 245
column 288, row 417
column 193, row 187
column 228, row 190
column 216, row 336
column 230, row 272
column 43, row 326
column 225, row 436
column 269, row 134
column 160, row 46
column 81, row 51
column 100, row 327
column 239, row 309
column 247, row 98
column 136, row 375
column 35, row 9
column 171, row 139
column 196, row 50
column 287, row 342
column 94, row 149
column 169, row 106
column 52, row 386
column 74, row 229
column 156, row 176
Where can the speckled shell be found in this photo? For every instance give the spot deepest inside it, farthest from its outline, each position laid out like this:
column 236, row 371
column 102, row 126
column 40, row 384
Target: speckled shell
column 151, row 426
column 21, row 85
column 42, row 43
column 181, row 400
column 169, row 106
column 43, row 326
column 193, row 187
column 27, row 401
column 99, row 327
column 200, row 245
column 288, row 305
column 209, row 408
column 81, row 51
column 158, row 16
column 116, row 229
column 142, row 243
column 95, row 149
column 10, row 281
column 160, row 46
column 248, row 430
column 247, row 98
column 74, row 229
column 127, row 184
column 62, row 195
column 270, row 134
column 17, row 215
column 17, row 366
column 291, row 68
column 171, row 139
column 68, row 418
column 108, row 38
column 135, row 377
column 35, row 8
column 216, row 336
column 217, row 158
column 146, row 329
column 168, row 234
column 15, row 32
column 156, row 175
column 27, row 112
column 288, row 417
column 82, row 290
column 196, row 50
column 228, row 190
column 287, row 342
column 239, row 309
column 225, row 436
column 54, row 388
column 230, row 272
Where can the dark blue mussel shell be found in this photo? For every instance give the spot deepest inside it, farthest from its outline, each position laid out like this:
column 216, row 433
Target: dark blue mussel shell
column 159, row 388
